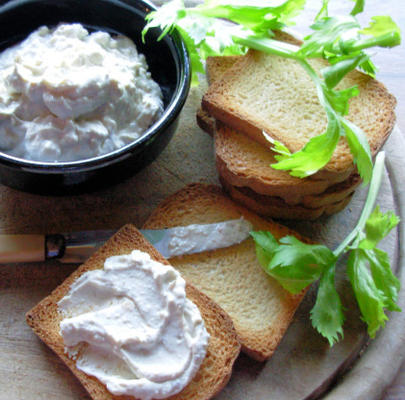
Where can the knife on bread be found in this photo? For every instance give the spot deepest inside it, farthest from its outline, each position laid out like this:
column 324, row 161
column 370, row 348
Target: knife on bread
column 76, row 247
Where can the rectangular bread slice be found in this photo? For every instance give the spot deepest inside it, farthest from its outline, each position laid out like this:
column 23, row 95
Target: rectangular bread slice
column 263, row 92
column 243, row 162
column 275, row 207
column 260, row 308
column 233, row 153
column 223, row 347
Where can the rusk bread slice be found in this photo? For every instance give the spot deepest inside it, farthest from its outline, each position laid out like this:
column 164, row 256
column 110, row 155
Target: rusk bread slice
column 223, row 347
column 260, row 308
column 334, row 194
column 215, row 67
column 243, row 162
column 263, row 92
column 205, row 122
column 274, row 207
column 239, row 176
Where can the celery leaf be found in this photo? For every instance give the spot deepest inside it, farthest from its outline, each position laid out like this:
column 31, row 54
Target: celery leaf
column 370, row 299
column 358, row 7
column 385, row 31
column 257, row 15
column 327, row 314
column 383, row 277
column 377, row 227
column 295, row 264
column 340, row 67
column 360, row 149
column 313, row 156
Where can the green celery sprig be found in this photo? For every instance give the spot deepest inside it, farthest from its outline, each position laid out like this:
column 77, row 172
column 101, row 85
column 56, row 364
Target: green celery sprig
column 340, row 40
column 295, row 265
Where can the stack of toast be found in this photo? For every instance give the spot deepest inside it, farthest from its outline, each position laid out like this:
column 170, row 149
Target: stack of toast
column 257, row 93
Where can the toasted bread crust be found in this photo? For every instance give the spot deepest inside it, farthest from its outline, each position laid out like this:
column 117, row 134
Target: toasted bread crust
column 242, row 174
column 244, row 162
column 260, row 308
column 205, row 122
column 333, row 194
column 275, row 207
column 223, row 347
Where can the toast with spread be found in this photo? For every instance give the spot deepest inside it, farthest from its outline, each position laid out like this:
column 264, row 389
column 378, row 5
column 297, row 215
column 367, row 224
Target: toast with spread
column 223, row 347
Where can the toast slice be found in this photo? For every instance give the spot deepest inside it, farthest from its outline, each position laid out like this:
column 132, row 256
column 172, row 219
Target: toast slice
column 223, row 347
column 260, row 308
column 215, row 67
column 283, row 201
column 235, row 147
column 243, row 168
column 243, row 162
column 241, row 103
column 274, row 207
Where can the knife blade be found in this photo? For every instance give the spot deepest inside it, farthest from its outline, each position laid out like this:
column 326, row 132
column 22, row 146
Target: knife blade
column 76, row 247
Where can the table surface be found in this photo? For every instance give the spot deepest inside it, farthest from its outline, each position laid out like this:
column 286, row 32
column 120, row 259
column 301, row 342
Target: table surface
column 21, row 212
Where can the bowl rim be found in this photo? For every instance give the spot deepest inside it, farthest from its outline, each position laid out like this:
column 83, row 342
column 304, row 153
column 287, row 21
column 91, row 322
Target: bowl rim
column 168, row 116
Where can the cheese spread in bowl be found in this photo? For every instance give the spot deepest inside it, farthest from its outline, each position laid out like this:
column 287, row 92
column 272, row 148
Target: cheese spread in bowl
column 85, row 130
column 68, row 95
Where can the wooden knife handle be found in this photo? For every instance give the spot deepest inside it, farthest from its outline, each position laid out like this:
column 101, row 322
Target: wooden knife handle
column 22, row 248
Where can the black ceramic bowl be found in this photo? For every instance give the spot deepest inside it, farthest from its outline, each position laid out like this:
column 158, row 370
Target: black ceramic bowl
column 168, row 63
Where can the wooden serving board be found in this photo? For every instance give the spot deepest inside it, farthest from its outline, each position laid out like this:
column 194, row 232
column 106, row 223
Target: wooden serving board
column 303, row 366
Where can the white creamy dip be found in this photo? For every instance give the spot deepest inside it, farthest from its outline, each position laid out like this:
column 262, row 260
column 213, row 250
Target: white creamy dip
column 131, row 326
column 68, row 95
column 203, row 237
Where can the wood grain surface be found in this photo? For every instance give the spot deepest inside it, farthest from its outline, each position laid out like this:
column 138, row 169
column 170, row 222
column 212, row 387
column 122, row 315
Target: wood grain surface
column 303, row 366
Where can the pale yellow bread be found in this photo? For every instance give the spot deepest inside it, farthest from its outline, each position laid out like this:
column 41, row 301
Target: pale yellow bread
column 260, row 308
column 332, row 196
column 243, row 162
column 216, row 66
column 223, row 346
column 239, row 176
column 274, row 207
column 214, row 69
column 262, row 92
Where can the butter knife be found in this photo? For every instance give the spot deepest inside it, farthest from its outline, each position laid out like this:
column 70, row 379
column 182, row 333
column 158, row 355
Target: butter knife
column 76, row 247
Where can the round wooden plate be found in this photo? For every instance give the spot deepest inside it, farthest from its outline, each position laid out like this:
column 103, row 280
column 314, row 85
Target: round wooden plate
column 304, row 366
